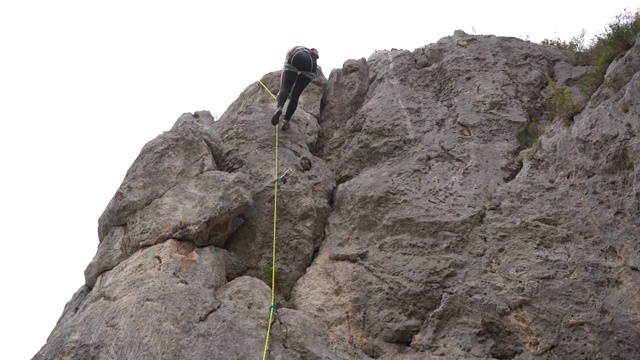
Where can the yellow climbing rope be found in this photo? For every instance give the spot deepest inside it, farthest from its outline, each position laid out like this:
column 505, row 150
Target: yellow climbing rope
column 273, row 310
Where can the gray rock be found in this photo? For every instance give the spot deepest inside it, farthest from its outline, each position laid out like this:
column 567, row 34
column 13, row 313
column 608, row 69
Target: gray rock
column 303, row 201
column 414, row 224
column 444, row 240
column 172, row 190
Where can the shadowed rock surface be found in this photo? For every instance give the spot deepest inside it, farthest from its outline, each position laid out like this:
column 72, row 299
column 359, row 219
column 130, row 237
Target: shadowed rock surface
column 414, row 224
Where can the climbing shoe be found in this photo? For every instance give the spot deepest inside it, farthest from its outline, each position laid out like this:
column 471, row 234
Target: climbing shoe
column 285, row 124
column 276, row 116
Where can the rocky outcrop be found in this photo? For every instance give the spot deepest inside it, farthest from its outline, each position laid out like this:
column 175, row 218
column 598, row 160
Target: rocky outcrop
column 173, row 190
column 414, row 224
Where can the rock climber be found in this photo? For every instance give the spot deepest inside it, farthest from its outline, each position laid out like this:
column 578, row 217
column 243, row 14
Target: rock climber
column 300, row 68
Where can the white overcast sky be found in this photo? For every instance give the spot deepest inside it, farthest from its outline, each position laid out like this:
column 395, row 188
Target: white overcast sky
column 85, row 84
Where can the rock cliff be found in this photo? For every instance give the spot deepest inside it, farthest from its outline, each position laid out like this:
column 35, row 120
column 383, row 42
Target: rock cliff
column 415, row 224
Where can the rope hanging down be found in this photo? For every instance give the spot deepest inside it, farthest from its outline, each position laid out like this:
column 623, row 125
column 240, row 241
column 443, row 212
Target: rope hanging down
column 273, row 310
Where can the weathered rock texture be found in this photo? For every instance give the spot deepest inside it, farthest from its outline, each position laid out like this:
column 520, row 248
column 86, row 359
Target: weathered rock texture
column 414, row 224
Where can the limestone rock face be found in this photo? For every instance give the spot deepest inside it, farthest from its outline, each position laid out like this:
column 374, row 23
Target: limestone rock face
column 414, row 224
column 173, row 190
